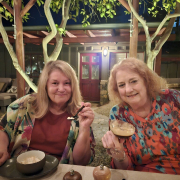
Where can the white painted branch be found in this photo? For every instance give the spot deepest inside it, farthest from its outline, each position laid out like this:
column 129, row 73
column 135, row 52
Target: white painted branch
column 14, row 57
column 59, row 39
column 169, row 27
column 163, row 22
column 53, row 32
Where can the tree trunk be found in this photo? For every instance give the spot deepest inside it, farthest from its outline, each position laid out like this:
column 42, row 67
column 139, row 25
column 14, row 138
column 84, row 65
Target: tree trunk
column 19, row 47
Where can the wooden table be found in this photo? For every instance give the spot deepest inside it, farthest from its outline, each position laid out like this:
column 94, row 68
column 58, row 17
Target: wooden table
column 87, row 174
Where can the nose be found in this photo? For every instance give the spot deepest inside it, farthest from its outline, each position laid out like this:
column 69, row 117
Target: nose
column 129, row 88
column 61, row 88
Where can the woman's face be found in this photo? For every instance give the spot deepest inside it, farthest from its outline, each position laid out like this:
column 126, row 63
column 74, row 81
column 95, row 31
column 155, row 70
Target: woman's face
column 59, row 87
column 131, row 87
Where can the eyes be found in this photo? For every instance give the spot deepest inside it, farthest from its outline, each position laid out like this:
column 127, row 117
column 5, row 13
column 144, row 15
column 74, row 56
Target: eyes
column 64, row 83
column 121, row 85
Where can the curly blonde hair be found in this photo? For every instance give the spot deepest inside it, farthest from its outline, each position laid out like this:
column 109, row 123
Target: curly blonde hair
column 153, row 82
column 42, row 102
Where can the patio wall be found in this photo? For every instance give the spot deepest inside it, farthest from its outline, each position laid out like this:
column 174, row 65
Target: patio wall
column 71, row 54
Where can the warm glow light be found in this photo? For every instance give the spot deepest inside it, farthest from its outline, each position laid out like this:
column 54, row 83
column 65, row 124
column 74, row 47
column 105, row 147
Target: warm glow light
column 105, row 51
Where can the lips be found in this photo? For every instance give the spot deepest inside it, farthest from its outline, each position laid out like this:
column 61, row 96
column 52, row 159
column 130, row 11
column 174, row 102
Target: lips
column 132, row 95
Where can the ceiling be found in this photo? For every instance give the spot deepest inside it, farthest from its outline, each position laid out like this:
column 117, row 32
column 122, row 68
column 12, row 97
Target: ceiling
column 83, row 36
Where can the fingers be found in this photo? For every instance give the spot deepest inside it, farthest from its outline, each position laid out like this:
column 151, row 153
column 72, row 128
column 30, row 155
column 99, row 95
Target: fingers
column 87, row 111
column 3, row 157
column 109, row 140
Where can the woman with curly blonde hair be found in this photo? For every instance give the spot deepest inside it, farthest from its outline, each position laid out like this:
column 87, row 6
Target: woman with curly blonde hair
column 152, row 110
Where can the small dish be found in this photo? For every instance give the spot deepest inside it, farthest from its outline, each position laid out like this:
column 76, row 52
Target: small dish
column 8, row 169
column 31, row 162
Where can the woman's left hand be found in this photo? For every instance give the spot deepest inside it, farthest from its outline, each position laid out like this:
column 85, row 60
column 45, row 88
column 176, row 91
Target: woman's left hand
column 86, row 116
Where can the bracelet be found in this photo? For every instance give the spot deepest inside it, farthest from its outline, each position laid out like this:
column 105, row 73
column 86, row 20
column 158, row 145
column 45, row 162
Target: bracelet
column 121, row 160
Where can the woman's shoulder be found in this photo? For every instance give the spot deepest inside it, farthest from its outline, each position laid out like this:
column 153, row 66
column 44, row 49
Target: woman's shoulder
column 24, row 100
column 119, row 109
column 168, row 95
column 169, row 92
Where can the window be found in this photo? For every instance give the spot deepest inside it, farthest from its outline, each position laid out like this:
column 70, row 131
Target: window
column 34, row 64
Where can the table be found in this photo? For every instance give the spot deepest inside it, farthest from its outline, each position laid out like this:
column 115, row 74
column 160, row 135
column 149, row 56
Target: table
column 87, row 174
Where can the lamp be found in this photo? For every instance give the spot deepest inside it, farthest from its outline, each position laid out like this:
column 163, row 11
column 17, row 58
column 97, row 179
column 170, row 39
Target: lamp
column 105, row 51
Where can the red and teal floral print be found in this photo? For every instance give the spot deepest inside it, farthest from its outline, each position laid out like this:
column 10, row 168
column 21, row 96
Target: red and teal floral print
column 155, row 145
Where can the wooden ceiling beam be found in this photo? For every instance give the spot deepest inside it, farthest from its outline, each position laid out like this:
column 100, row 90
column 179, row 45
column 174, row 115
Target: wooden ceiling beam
column 45, row 33
column 90, row 34
column 161, row 31
column 141, row 38
column 113, row 32
column 30, row 35
column 70, row 35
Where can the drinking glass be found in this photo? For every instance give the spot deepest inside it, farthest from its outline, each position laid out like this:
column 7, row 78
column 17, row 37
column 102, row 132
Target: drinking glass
column 122, row 130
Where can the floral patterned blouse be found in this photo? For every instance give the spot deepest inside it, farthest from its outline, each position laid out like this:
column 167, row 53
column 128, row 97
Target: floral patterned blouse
column 155, row 145
column 20, row 123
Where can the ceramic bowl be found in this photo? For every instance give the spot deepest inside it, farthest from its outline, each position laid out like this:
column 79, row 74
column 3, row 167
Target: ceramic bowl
column 25, row 165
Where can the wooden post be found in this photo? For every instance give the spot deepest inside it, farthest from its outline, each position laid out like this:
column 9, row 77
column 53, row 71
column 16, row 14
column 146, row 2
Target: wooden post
column 134, row 38
column 19, row 47
column 157, row 63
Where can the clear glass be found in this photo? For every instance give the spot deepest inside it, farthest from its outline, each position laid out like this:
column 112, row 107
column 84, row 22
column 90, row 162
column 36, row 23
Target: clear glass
column 120, row 129
column 85, row 72
column 95, row 71
column 85, row 59
column 95, row 59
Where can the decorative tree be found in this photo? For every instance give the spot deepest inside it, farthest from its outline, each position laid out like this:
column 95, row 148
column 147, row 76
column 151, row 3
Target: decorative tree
column 71, row 9
column 172, row 8
column 106, row 10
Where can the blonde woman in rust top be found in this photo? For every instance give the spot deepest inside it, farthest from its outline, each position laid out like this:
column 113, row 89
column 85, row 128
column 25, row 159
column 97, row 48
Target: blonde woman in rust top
column 143, row 101
column 39, row 121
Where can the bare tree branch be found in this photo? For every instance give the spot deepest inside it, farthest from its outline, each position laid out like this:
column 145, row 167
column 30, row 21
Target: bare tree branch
column 170, row 16
column 14, row 57
column 53, row 32
column 59, row 39
column 125, row 4
column 27, row 7
column 169, row 27
column 6, row 5
column 151, row 54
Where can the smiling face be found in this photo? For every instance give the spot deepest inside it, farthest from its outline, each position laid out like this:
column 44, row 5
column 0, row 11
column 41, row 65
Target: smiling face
column 131, row 88
column 59, row 88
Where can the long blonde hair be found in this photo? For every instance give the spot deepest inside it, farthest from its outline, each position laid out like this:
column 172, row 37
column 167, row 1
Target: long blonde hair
column 153, row 82
column 42, row 101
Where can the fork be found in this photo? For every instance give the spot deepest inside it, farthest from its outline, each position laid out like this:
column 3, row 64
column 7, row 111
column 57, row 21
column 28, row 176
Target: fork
column 76, row 115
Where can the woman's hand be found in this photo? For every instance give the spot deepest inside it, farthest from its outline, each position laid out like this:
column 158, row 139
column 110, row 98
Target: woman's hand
column 86, row 116
column 4, row 155
column 109, row 140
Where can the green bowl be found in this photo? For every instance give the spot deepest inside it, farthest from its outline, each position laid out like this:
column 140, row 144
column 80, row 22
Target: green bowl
column 31, row 168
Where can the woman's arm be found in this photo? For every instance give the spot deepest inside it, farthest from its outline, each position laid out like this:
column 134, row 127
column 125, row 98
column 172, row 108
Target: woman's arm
column 4, row 142
column 109, row 141
column 82, row 148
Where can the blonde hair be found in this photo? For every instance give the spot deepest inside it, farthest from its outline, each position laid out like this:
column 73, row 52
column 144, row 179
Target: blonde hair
column 153, row 82
column 42, row 102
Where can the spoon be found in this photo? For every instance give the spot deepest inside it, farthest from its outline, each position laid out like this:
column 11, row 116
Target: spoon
column 76, row 115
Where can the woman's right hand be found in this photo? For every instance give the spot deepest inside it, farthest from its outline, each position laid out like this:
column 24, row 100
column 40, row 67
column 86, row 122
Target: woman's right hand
column 109, row 140
column 4, row 155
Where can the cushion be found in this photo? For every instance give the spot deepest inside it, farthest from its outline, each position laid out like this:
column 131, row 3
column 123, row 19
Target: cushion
column 1, row 86
column 13, row 89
